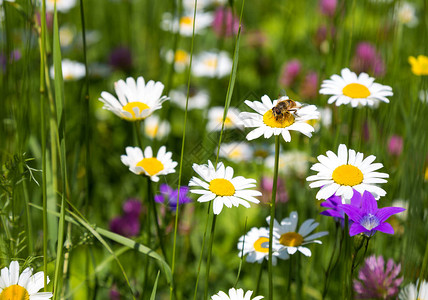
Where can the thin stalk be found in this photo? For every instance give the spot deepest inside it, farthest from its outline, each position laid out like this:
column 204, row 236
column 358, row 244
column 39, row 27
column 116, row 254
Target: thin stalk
column 183, row 139
column 272, row 215
column 351, row 128
column 330, row 264
column 42, row 44
column 259, row 277
column 346, row 255
column 200, row 254
column 210, row 247
column 86, row 128
column 424, row 267
column 155, row 215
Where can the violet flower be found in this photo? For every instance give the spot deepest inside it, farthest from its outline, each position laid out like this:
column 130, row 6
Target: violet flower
column 367, row 59
column 290, row 71
column 368, row 218
column 169, row 196
column 328, row 7
column 309, row 87
column 121, row 58
column 377, row 282
column 334, row 210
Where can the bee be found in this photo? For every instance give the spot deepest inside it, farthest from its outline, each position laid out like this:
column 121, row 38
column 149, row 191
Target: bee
column 283, row 108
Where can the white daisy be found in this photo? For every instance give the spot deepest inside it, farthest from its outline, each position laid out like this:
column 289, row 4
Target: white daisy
column 61, row 5
column 340, row 174
column 266, row 124
column 148, row 165
column 410, row 292
column 66, row 35
column 356, row 90
column 181, row 59
column 256, row 245
column 292, row 241
column 219, row 185
column 136, row 99
column 1, row 1
column 235, row 295
column 198, row 99
column 236, row 152
column 215, row 118
column 24, row 286
column 71, row 70
column 155, row 128
column 406, row 14
column 185, row 24
column 212, row 64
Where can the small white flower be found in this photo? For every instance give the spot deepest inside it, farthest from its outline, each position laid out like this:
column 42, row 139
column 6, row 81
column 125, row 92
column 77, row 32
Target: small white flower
column 410, row 292
column 185, row 24
column 290, row 162
column 136, row 99
column 340, row 174
column 198, row 99
column 61, row 5
column 292, row 241
column 215, row 118
column 406, row 14
column 147, row 164
column 256, row 244
column 356, row 90
column 236, row 152
column 155, row 128
column 66, row 35
column 235, row 295
column 181, row 59
column 71, row 70
column 423, row 96
column 267, row 125
column 24, row 286
column 212, row 64
column 1, row 1
column 219, row 185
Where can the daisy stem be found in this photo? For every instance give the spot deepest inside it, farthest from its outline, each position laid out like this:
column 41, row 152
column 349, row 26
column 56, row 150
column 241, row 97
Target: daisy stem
column 155, row 215
column 210, row 247
column 202, row 251
column 259, row 277
column 347, row 259
column 42, row 42
column 272, row 215
column 351, row 128
column 330, row 266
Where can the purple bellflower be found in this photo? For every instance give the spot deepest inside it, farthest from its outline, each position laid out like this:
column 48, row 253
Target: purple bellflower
column 333, row 207
column 129, row 223
column 169, row 196
column 377, row 282
column 368, row 218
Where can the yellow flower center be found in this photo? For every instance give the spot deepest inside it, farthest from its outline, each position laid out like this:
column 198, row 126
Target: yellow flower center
column 131, row 105
column 14, row 292
column 235, row 153
column 186, row 21
column 211, row 63
column 347, row 175
column 227, row 121
column 151, row 165
column 291, row 239
column 258, row 245
column 181, row 56
column 270, row 120
column 222, row 187
column 356, row 90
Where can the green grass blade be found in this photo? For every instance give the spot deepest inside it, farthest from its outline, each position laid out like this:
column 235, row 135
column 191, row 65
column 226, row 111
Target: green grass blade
column 155, row 287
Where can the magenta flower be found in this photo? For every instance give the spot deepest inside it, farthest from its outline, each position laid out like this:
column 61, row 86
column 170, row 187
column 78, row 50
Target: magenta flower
column 225, row 22
column 376, row 282
column 290, row 71
column 328, row 7
column 395, row 145
column 266, row 184
column 368, row 218
column 367, row 59
column 309, row 88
